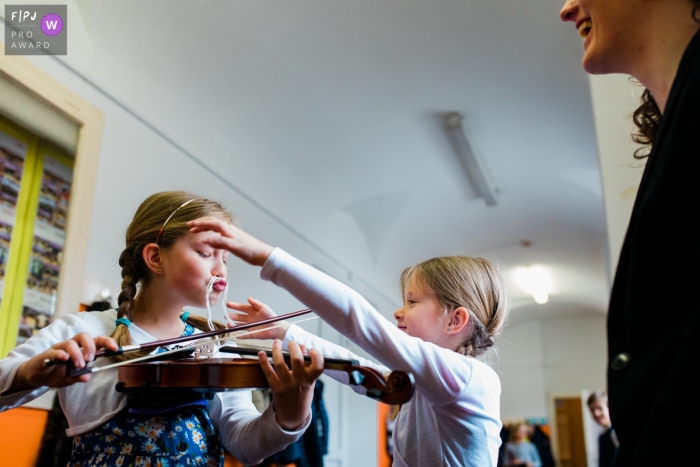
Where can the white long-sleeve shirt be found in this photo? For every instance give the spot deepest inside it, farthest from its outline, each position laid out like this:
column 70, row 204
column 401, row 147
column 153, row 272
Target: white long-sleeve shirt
column 453, row 419
column 247, row 434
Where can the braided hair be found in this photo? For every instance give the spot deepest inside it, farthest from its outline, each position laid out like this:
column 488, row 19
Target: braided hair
column 147, row 227
column 472, row 283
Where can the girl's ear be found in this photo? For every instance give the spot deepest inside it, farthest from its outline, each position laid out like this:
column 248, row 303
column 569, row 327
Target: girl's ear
column 152, row 259
column 459, row 317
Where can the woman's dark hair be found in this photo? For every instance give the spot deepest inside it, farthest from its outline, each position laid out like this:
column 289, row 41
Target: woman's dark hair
column 647, row 117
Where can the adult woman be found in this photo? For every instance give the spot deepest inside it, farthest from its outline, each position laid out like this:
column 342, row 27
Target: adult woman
column 654, row 310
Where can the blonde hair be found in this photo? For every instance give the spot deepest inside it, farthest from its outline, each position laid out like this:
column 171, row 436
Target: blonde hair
column 147, row 227
column 514, row 428
column 472, row 283
column 598, row 395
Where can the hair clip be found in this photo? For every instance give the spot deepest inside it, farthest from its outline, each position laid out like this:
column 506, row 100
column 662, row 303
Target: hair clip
column 170, row 217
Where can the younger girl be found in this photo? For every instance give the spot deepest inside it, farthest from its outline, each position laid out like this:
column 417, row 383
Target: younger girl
column 454, row 308
column 164, row 269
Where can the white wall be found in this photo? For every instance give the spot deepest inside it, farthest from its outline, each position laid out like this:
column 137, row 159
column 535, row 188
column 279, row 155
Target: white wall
column 557, row 349
column 614, row 100
column 520, row 366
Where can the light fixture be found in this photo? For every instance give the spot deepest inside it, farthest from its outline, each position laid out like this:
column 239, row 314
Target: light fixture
column 474, row 168
column 536, row 281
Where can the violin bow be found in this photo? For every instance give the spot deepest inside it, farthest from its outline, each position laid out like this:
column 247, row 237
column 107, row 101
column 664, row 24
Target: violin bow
column 186, row 350
column 177, row 340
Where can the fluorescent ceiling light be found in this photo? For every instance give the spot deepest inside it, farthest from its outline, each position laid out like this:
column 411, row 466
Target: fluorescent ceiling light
column 536, row 281
column 474, row 168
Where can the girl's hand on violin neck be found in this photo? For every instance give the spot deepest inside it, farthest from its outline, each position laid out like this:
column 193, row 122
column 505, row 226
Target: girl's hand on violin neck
column 233, row 239
column 254, row 312
column 80, row 349
column 292, row 390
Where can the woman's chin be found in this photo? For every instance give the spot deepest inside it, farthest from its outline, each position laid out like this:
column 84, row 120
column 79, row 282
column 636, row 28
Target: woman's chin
column 591, row 66
column 596, row 63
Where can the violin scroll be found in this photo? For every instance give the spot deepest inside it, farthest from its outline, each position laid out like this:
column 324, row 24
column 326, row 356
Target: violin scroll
column 397, row 389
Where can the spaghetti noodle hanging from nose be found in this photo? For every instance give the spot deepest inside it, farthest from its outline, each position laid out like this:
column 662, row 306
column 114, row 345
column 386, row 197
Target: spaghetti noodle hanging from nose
column 224, row 295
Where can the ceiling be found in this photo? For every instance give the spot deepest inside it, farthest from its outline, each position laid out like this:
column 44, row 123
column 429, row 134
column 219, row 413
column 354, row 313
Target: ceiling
column 327, row 113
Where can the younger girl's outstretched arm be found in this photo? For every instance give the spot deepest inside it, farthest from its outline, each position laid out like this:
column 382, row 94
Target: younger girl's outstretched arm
column 442, row 373
column 256, row 310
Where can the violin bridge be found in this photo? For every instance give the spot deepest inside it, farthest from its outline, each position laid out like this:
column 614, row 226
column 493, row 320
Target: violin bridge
column 205, row 350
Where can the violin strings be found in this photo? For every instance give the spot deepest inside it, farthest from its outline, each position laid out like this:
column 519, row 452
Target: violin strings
column 244, row 333
column 139, row 359
column 193, row 344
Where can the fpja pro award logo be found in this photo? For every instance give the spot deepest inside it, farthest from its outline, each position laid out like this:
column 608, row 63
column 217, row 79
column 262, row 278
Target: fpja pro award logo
column 36, row 30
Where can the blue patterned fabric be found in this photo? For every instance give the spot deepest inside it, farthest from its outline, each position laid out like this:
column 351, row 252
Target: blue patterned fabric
column 182, row 437
column 174, row 436
column 189, row 330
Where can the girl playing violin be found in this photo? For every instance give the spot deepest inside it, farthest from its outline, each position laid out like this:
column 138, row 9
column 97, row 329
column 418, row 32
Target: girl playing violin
column 164, row 268
column 454, row 308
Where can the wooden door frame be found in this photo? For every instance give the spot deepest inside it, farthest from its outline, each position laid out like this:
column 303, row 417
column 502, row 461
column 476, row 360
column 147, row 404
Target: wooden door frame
column 554, row 435
column 90, row 119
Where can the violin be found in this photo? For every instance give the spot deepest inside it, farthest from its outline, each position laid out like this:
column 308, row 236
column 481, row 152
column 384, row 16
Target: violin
column 210, row 375
column 191, row 378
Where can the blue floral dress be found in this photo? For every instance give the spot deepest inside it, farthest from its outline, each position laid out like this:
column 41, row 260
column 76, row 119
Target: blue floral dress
column 181, row 435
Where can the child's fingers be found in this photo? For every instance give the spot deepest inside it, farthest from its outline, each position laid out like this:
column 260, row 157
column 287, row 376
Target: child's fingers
column 237, row 321
column 244, row 315
column 281, row 368
column 298, row 365
column 239, row 318
column 221, row 243
column 315, row 370
column 212, row 224
column 87, row 346
column 238, row 306
column 106, row 342
column 268, row 371
column 208, row 223
column 57, row 353
column 261, row 308
column 258, row 305
column 74, row 352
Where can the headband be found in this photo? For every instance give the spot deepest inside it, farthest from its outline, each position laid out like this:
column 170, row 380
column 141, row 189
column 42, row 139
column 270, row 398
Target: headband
column 170, row 217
